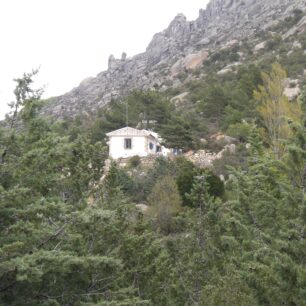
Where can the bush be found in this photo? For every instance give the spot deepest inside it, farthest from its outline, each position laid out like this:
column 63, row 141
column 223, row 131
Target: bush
column 186, row 171
column 273, row 43
column 134, row 161
column 215, row 185
column 165, row 203
column 240, row 130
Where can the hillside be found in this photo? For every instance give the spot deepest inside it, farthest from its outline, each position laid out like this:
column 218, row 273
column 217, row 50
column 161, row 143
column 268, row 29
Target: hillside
column 222, row 224
column 182, row 47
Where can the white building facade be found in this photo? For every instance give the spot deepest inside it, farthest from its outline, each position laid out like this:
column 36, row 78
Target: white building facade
column 128, row 142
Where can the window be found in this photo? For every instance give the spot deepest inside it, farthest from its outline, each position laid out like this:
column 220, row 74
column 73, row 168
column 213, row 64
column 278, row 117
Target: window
column 151, row 145
column 128, row 143
column 158, row 148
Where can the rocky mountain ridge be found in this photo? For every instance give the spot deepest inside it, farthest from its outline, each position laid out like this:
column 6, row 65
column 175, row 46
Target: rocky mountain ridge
column 183, row 46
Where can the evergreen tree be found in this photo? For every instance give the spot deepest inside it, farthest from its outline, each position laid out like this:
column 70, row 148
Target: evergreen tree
column 165, row 203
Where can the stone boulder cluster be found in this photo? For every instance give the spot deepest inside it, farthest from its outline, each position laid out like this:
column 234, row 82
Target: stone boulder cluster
column 205, row 158
column 182, row 47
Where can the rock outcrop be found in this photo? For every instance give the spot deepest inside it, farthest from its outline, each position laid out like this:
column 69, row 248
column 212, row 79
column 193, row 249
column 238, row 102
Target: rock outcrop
column 182, row 46
column 205, row 159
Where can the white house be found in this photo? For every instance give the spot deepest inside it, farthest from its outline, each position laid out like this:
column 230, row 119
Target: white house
column 127, row 142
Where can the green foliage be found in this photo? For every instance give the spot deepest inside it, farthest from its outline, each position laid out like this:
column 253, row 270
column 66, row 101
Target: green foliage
column 215, row 185
column 238, row 243
column 134, row 161
column 165, row 203
column 240, row 131
column 117, row 181
column 289, row 21
column 269, row 202
column 273, row 42
column 226, row 101
column 214, row 101
column 275, row 109
column 142, row 108
column 295, row 63
column 186, row 175
column 177, row 134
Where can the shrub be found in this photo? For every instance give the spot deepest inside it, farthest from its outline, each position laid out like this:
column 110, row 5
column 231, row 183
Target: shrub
column 134, row 161
column 240, row 130
column 165, row 202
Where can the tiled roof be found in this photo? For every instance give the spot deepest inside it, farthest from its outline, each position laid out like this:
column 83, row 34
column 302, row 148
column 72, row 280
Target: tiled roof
column 128, row 131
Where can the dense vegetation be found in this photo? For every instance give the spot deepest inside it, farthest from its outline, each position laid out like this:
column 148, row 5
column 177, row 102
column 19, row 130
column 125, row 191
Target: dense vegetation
column 69, row 238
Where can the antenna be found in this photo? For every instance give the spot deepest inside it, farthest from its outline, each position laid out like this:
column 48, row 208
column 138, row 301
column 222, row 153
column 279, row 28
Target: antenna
column 127, row 112
column 126, row 103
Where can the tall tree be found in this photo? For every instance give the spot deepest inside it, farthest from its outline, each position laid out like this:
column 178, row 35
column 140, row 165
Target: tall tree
column 276, row 110
column 25, row 97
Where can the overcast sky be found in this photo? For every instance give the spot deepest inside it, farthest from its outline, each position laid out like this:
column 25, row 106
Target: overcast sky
column 72, row 39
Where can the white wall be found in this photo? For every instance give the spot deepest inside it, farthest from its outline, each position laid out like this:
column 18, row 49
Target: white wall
column 140, row 146
column 117, row 150
column 152, row 140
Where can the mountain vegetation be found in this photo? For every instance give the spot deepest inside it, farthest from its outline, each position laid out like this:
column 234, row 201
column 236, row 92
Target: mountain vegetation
column 71, row 234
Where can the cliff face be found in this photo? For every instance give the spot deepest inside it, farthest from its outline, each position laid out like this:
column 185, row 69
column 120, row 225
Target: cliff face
column 182, row 46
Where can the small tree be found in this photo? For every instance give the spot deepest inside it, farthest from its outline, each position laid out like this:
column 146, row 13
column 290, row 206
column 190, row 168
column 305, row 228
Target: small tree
column 165, row 202
column 26, row 99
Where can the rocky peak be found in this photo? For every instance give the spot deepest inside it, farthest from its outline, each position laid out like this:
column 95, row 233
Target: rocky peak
column 123, row 56
column 183, row 45
column 177, row 27
column 114, row 63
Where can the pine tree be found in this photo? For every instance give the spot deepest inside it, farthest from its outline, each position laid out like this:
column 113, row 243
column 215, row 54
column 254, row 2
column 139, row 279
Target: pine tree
column 264, row 211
